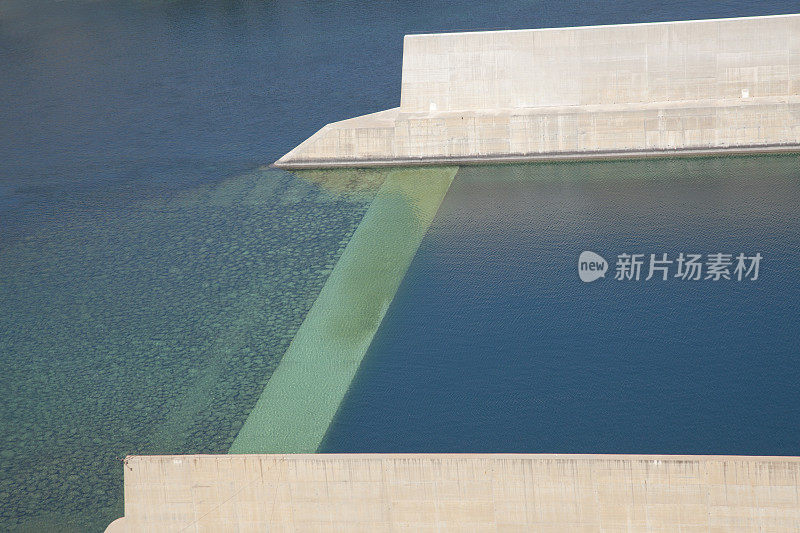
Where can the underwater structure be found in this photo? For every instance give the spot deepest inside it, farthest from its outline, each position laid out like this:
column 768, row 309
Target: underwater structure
column 704, row 86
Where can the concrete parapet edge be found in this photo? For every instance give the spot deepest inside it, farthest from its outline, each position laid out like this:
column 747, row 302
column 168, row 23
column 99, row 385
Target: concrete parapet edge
column 421, row 492
column 533, row 158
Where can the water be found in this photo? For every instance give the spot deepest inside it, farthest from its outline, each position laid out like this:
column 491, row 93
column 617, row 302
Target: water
column 151, row 274
column 151, row 329
column 493, row 344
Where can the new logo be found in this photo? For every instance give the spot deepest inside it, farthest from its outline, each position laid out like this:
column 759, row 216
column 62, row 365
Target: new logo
column 591, row 267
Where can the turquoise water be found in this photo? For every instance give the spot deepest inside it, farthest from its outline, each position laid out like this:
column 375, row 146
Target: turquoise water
column 151, row 326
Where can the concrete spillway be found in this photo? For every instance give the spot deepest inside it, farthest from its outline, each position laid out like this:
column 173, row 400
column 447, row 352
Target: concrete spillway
column 704, row 86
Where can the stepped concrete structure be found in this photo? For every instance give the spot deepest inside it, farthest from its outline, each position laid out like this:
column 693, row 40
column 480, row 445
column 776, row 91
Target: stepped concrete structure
column 705, row 86
column 469, row 492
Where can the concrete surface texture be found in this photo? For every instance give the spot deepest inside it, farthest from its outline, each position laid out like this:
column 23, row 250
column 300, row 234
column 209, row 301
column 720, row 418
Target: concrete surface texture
column 469, row 492
column 707, row 85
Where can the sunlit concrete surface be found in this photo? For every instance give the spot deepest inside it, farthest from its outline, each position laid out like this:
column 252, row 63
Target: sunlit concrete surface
column 703, row 86
column 462, row 492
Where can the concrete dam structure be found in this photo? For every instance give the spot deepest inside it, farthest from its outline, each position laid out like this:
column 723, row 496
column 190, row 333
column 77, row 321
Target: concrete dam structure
column 705, row 86
column 698, row 87
column 459, row 492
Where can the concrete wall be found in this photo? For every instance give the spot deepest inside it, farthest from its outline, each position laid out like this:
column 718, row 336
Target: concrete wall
column 635, row 63
column 473, row 492
column 555, row 133
column 639, row 89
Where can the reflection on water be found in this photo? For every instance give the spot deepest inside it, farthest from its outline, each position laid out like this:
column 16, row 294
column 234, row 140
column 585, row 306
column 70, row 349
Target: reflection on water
column 493, row 344
column 152, row 329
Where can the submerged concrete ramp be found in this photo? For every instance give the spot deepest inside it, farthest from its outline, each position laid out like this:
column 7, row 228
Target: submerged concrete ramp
column 469, row 492
column 303, row 394
column 703, row 86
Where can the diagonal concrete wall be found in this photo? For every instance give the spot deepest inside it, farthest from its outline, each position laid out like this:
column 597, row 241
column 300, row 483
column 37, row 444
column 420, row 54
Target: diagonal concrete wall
column 641, row 89
column 460, row 492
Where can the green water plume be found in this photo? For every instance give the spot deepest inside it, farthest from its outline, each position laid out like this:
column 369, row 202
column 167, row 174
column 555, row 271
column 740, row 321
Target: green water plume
column 303, row 394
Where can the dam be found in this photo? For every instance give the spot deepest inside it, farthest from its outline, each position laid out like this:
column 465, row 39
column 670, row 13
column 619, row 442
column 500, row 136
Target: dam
column 693, row 87
column 729, row 86
column 459, row 492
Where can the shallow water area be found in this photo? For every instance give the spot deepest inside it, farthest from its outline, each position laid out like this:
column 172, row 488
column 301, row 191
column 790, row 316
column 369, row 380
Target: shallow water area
column 152, row 327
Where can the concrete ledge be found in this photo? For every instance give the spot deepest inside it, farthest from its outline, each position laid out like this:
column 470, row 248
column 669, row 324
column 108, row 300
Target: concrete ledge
column 568, row 132
column 460, row 492
column 528, row 158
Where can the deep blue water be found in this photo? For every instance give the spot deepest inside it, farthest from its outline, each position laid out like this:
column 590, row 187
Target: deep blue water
column 145, row 97
column 493, row 343
column 151, row 276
